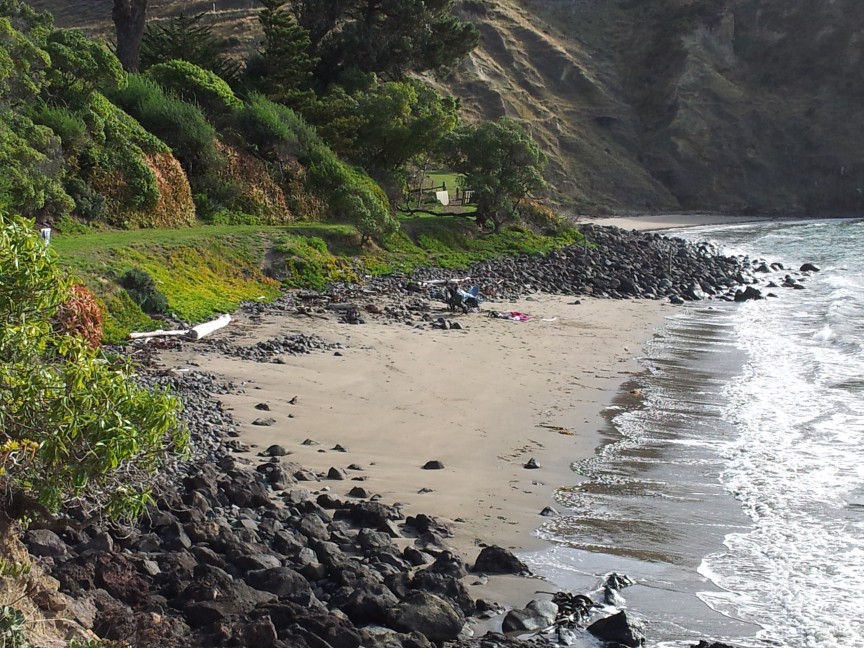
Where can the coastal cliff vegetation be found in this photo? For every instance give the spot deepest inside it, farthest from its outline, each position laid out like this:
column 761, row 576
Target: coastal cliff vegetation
column 327, row 124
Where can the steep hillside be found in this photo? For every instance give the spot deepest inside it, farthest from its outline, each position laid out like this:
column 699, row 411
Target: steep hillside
column 653, row 105
column 734, row 105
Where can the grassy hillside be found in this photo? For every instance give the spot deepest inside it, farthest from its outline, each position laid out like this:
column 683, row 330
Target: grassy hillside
column 212, row 269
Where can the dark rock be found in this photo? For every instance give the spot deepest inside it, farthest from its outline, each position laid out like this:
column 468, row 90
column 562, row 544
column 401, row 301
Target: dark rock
column 747, row 294
column 619, row 628
column 446, row 586
column 710, row 644
column 430, row 615
column 256, row 561
column 275, row 451
column 264, row 407
column 358, row 491
column 433, row 464
column 373, row 540
column 497, row 560
column 336, row 473
column 619, row 581
column 368, row 604
column 44, row 542
column 548, row 511
column 415, row 556
column 531, row 464
column 809, row 267
column 260, row 633
column 281, row 581
column 449, row 563
column 538, row 614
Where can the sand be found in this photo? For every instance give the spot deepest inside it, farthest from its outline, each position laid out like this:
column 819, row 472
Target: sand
column 670, row 221
column 483, row 401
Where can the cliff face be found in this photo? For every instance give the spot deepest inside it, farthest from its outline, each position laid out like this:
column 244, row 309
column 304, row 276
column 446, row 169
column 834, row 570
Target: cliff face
column 732, row 105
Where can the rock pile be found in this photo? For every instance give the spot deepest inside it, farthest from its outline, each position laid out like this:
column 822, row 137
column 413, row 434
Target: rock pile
column 268, row 350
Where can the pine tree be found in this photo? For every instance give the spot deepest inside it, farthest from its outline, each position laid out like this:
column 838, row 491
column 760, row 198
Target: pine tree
column 283, row 68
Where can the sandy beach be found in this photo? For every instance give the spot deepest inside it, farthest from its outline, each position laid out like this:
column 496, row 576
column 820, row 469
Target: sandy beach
column 483, row 401
column 671, row 221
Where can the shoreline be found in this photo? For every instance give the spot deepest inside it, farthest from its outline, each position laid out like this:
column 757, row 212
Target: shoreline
column 483, row 401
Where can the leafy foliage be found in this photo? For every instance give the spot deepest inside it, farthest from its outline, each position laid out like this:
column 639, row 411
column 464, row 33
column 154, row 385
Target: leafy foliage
column 391, row 38
column 196, row 84
column 282, row 70
column 142, row 289
column 501, row 164
column 351, row 196
column 185, row 38
column 96, row 434
column 80, row 315
column 79, row 66
column 386, row 125
column 12, row 627
column 179, row 124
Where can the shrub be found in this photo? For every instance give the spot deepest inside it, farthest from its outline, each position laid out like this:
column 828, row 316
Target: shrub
column 195, row 84
column 80, row 315
column 179, row 124
column 87, row 434
column 67, row 125
column 142, row 289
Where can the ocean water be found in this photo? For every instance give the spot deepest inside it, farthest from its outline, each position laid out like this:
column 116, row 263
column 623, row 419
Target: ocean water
column 732, row 490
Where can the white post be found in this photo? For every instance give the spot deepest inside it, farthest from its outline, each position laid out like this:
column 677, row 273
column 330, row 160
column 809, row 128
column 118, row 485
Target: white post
column 45, row 234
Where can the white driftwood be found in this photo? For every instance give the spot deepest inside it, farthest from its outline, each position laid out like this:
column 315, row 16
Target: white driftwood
column 159, row 333
column 198, row 332
column 436, row 282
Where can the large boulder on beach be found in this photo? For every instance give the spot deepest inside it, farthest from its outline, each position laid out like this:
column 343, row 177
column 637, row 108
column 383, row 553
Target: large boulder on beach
column 747, row 294
column 619, row 628
column 537, row 615
column 430, row 615
column 497, row 560
column 809, row 267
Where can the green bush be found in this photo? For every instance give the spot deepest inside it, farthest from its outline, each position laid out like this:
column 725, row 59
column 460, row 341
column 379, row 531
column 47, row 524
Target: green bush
column 77, row 428
column 280, row 134
column 194, row 84
column 31, row 167
column 142, row 289
column 270, row 128
column 89, row 205
column 67, row 125
column 179, row 124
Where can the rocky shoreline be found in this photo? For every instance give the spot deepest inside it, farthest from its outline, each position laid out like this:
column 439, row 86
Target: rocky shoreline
column 267, row 555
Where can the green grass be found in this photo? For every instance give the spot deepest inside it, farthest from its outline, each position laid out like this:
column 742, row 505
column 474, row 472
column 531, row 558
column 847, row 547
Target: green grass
column 212, row 269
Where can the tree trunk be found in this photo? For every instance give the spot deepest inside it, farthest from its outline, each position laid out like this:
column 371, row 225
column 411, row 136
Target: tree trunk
column 129, row 19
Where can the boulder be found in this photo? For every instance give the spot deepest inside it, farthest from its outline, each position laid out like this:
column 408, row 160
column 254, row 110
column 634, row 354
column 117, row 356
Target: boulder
column 284, row 582
column 430, row 615
column 44, row 542
column 497, row 560
column 747, row 294
column 537, row 615
column 619, row 628
column 809, row 267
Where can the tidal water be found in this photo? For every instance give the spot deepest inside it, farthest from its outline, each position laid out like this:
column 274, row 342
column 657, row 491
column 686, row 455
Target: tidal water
column 732, row 489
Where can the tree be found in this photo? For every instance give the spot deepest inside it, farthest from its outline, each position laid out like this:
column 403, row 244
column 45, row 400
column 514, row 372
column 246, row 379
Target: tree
column 501, row 165
column 130, row 18
column 391, row 38
column 282, row 69
column 184, row 38
column 79, row 65
column 75, row 426
column 383, row 127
